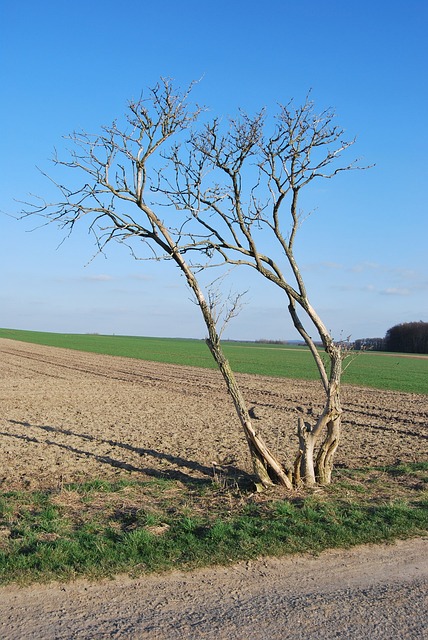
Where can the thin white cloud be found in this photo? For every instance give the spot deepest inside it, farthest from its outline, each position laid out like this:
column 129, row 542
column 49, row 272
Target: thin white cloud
column 141, row 277
column 316, row 266
column 371, row 288
column 365, row 266
column 332, row 265
column 101, row 277
column 398, row 272
column 68, row 279
column 395, row 291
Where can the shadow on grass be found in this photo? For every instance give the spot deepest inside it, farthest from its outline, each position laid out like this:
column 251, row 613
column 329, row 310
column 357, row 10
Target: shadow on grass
column 228, row 472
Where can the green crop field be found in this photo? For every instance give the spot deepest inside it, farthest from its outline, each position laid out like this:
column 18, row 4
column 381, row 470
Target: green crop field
column 369, row 369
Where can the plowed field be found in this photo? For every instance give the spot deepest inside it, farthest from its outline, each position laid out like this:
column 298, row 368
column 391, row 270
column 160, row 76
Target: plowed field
column 70, row 416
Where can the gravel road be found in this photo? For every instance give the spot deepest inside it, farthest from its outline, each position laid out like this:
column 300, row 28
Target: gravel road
column 367, row 592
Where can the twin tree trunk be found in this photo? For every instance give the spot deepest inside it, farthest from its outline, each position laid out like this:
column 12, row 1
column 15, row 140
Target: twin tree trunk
column 267, row 467
column 307, row 470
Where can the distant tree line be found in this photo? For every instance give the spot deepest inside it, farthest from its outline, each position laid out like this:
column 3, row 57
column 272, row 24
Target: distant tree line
column 408, row 337
column 374, row 344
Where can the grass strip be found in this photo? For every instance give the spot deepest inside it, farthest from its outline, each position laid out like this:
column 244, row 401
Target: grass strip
column 396, row 372
column 99, row 529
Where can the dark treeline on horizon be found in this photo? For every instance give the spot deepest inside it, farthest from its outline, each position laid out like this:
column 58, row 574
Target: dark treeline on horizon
column 408, row 337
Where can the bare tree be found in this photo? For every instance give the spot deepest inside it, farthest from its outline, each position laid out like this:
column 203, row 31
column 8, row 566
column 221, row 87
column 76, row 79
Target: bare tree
column 240, row 188
column 234, row 192
column 118, row 171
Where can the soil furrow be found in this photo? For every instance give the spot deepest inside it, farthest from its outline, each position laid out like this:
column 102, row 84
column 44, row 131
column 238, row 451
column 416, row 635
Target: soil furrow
column 67, row 415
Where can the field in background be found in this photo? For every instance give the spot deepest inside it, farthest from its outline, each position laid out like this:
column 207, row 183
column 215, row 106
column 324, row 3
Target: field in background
column 399, row 372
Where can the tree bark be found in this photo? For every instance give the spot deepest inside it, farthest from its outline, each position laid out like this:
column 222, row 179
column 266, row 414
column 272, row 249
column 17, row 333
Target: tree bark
column 333, row 414
column 265, row 465
column 304, row 466
column 324, row 461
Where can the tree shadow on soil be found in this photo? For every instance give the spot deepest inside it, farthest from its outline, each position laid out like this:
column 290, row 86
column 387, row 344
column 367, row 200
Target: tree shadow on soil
column 228, row 471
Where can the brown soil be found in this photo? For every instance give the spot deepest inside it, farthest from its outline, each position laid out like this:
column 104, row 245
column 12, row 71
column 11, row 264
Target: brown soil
column 68, row 416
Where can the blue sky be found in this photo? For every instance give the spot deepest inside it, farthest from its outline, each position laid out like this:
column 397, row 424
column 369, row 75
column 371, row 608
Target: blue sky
column 66, row 66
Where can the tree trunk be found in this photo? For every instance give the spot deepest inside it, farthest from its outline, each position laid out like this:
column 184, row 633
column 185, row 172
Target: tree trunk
column 266, row 466
column 324, row 461
column 333, row 413
column 304, row 472
column 307, row 471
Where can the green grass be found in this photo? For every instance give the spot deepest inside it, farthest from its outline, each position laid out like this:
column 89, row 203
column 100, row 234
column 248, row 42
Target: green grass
column 381, row 371
column 102, row 529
